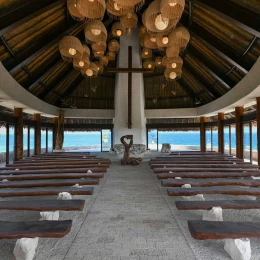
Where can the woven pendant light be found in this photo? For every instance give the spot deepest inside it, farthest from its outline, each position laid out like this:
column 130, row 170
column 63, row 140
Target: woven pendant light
column 92, row 9
column 150, row 41
column 98, row 54
column 113, row 45
column 86, row 50
column 103, row 60
column 99, row 46
column 95, row 31
column 172, row 9
column 172, row 63
column 146, row 53
column 73, row 10
column 158, row 61
column 130, row 4
column 172, row 74
column 172, row 52
column 142, row 42
column 118, row 30
column 111, row 55
column 149, row 64
column 114, row 11
column 129, row 20
column 70, row 48
column 142, row 31
column 162, row 39
column 99, row 67
column 91, row 71
column 82, row 63
column 180, row 37
column 154, row 21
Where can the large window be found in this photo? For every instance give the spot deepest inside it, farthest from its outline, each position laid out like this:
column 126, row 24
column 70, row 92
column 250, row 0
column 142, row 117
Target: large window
column 25, row 141
column 11, row 142
column 254, row 142
column 250, row 152
column 227, row 148
column 32, row 141
column 3, row 143
column 215, row 139
column 106, row 140
column 209, row 139
column 43, row 140
column 50, row 140
column 152, row 139
column 233, row 150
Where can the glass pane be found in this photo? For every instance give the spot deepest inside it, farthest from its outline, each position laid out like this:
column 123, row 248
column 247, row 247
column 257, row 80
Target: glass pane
column 226, row 140
column 11, row 143
column 246, row 153
column 106, row 140
column 3, row 143
column 43, row 140
column 50, row 140
column 25, row 141
column 233, row 140
column 152, row 139
column 180, row 140
column 215, row 139
column 32, row 141
column 254, row 143
column 208, row 139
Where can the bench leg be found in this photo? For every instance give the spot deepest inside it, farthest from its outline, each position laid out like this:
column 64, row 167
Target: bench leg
column 238, row 249
column 196, row 197
column 49, row 215
column 214, row 214
column 25, row 248
column 64, row 196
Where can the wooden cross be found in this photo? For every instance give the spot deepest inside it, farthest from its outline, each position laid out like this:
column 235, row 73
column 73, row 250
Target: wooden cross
column 129, row 70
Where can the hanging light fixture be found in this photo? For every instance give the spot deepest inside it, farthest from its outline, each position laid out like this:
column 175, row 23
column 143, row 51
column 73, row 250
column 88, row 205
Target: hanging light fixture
column 129, row 4
column 92, row 9
column 98, row 54
column 149, row 64
column 113, row 45
column 180, row 37
column 118, row 30
column 99, row 46
column 103, row 60
column 172, row 51
column 162, row 39
column 142, row 31
column 91, row 71
column 111, row 55
column 158, row 61
column 129, row 20
column 172, row 9
column 146, row 53
column 95, row 31
column 99, row 67
column 172, row 63
column 82, row 62
column 172, row 74
column 115, row 11
column 150, row 41
column 73, row 10
column 70, row 48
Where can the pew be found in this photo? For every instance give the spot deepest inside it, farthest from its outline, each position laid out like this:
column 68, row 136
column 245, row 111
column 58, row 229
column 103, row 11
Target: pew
column 158, row 162
column 69, row 163
column 161, row 170
column 235, row 166
column 43, row 205
column 31, row 229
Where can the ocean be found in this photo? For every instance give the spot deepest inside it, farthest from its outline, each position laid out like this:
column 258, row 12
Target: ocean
column 93, row 139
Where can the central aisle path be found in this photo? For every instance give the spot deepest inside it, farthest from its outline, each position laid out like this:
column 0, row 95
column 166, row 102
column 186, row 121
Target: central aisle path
column 130, row 219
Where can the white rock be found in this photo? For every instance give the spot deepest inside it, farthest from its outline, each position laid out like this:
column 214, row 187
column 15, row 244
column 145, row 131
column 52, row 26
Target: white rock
column 4, row 180
column 89, row 171
column 178, row 178
column 25, row 248
column 17, row 169
column 215, row 214
column 187, row 186
column 49, row 215
column 77, row 186
column 234, row 163
column 238, row 249
column 64, row 196
column 199, row 197
column 170, row 172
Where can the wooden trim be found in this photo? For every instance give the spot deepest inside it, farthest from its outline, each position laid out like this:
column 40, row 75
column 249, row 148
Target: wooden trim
column 248, row 117
column 88, row 126
column 174, row 125
column 229, row 121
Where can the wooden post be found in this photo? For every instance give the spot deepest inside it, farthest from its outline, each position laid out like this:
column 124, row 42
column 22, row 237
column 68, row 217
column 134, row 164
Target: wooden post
column 258, row 126
column 239, row 133
column 60, row 132
column 37, row 119
column 220, row 133
column 129, row 88
column 18, row 113
column 55, row 123
column 202, row 134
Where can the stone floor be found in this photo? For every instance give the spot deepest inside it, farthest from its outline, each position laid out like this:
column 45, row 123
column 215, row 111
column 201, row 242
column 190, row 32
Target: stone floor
column 129, row 216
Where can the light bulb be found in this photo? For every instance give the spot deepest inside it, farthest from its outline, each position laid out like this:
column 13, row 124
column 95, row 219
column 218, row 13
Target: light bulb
column 129, row 15
column 161, row 23
column 174, row 65
column 89, row 72
column 149, row 66
column 159, row 62
column 146, row 52
column 72, row 51
column 165, row 40
column 173, row 75
column 153, row 39
column 98, row 68
column 116, row 7
column 81, row 63
column 172, row 4
column 118, row 32
column 91, row 1
column 96, row 31
column 75, row 5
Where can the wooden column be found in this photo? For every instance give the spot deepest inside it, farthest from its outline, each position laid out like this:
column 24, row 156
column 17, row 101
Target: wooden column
column 220, row 133
column 37, row 119
column 239, row 133
column 60, row 132
column 55, row 122
column 202, row 134
column 18, row 113
column 258, row 127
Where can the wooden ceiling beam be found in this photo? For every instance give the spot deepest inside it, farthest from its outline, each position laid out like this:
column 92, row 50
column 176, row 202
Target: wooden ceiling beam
column 239, row 16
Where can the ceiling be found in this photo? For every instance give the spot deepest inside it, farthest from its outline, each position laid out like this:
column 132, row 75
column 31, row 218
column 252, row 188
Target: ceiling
column 224, row 46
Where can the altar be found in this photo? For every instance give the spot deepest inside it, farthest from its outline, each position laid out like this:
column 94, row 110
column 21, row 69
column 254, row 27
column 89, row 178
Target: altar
column 136, row 149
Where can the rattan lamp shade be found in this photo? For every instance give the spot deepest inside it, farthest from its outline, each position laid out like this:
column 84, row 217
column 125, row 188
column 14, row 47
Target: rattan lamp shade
column 92, row 9
column 130, row 4
column 91, row 71
column 162, row 39
column 158, row 61
column 172, row 63
column 172, row 74
column 114, row 11
column 118, row 30
column 129, row 20
column 149, row 64
column 86, row 50
column 99, row 67
column 70, row 48
column 82, row 63
column 98, row 54
column 113, row 45
column 146, row 53
column 172, row 9
column 103, row 60
column 172, row 52
column 111, row 55
column 142, row 31
column 180, row 37
column 99, row 46
column 73, row 10
column 95, row 31
column 150, row 41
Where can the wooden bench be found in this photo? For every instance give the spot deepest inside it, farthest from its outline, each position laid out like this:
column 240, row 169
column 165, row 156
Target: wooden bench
column 31, row 229
column 201, row 229
column 211, row 165
column 160, row 170
column 224, row 204
column 213, row 190
column 43, row 205
column 49, row 176
column 211, row 182
column 201, row 175
column 70, row 163
column 196, row 162
column 47, row 183
column 45, row 191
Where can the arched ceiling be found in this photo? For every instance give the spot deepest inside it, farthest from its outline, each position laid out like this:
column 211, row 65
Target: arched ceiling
column 224, row 46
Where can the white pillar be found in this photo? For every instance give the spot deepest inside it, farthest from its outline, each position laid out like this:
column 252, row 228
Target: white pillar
column 121, row 92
